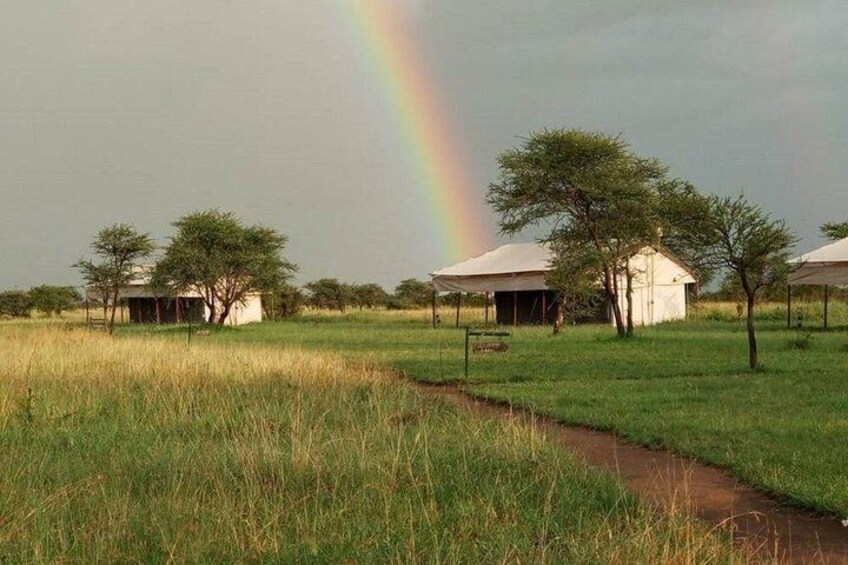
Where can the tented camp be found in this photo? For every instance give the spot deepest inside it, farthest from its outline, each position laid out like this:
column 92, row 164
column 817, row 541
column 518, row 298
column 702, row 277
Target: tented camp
column 145, row 306
column 826, row 266
column 515, row 273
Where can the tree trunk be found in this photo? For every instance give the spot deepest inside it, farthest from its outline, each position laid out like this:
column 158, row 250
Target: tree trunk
column 223, row 317
column 616, row 309
column 752, row 336
column 629, row 298
column 560, row 316
column 114, row 310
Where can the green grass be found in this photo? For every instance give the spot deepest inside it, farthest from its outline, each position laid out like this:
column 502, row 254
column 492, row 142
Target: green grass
column 683, row 386
column 150, row 450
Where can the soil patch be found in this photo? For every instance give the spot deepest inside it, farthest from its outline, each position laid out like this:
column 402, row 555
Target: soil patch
column 765, row 526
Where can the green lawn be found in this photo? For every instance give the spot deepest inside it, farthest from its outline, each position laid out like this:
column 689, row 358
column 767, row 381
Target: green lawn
column 683, row 386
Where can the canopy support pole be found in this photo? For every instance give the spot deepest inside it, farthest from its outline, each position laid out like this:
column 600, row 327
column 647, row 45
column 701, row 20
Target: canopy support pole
column 544, row 308
column 515, row 308
column 826, row 297
column 458, row 304
column 434, row 308
column 486, row 299
column 788, row 307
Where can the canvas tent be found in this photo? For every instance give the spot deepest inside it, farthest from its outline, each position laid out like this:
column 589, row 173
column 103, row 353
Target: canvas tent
column 515, row 273
column 146, row 306
column 826, row 266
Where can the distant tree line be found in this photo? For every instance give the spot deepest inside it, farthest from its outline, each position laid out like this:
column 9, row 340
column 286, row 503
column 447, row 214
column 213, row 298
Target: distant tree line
column 332, row 294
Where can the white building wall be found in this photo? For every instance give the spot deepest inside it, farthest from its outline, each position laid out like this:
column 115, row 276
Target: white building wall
column 240, row 314
column 659, row 289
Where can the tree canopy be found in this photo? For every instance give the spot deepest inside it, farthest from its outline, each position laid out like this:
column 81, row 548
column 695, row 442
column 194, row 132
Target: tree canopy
column 413, row 293
column 330, row 294
column 369, row 295
column 835, row 230
column 596, row 197
column 118, row 249
column 215, row 255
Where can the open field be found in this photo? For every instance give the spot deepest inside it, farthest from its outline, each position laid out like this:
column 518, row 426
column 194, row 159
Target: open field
column 684, row 386
column 150, row 450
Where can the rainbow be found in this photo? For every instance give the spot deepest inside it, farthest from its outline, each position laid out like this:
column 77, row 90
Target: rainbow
column 425, row 125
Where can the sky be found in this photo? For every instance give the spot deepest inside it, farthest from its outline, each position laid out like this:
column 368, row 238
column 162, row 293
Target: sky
column 126, row 111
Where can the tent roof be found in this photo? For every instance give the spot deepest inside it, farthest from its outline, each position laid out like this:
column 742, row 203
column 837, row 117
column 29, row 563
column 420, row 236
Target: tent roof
column 836, row 252
column 506, row 259
column 826, row 265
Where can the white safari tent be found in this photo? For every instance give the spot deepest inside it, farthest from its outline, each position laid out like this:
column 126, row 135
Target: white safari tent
column 145, row 306
column 515, row 274
column 826, row 266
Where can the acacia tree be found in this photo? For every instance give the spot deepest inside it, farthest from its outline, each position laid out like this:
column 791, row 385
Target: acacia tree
column 369, row 295
column 330, row 294
column 283, row 302
column 835, row 230
column 596, row 196
column 119, row 248
column 412, row 293
column 746, row 241
column 222, row 260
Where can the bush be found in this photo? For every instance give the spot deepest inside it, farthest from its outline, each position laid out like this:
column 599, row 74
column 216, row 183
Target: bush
column 54, row 299
column 15, row 304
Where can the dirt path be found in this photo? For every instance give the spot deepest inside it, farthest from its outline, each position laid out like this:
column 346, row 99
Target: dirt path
column 771, row 529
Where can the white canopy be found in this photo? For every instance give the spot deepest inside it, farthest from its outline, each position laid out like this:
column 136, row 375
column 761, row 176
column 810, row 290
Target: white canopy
column 515, row 266
column 827, row 265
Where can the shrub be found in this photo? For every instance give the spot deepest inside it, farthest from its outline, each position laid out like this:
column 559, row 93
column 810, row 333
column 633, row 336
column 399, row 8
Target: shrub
column 15, row 304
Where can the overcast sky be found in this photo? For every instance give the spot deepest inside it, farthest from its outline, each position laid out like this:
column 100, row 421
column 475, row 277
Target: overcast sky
column 123, row 110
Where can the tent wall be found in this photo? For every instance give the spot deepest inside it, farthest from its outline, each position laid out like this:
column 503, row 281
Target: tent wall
column 491, row 283
column 143, row 310
column 525, row 307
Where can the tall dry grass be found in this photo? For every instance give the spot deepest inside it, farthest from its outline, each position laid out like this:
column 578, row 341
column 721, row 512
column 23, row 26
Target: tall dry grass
column 147, row 450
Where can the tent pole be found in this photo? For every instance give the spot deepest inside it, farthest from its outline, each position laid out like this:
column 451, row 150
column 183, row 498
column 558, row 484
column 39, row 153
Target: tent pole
column 544, row 308
column 826, row 297
column 514, row 307
column 434, row 308
column 788, row 307
column 458, row 303
column 486, row 299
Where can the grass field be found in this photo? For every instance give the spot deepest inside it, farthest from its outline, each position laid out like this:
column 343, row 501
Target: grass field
column 684, row 386
column 150, row 450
